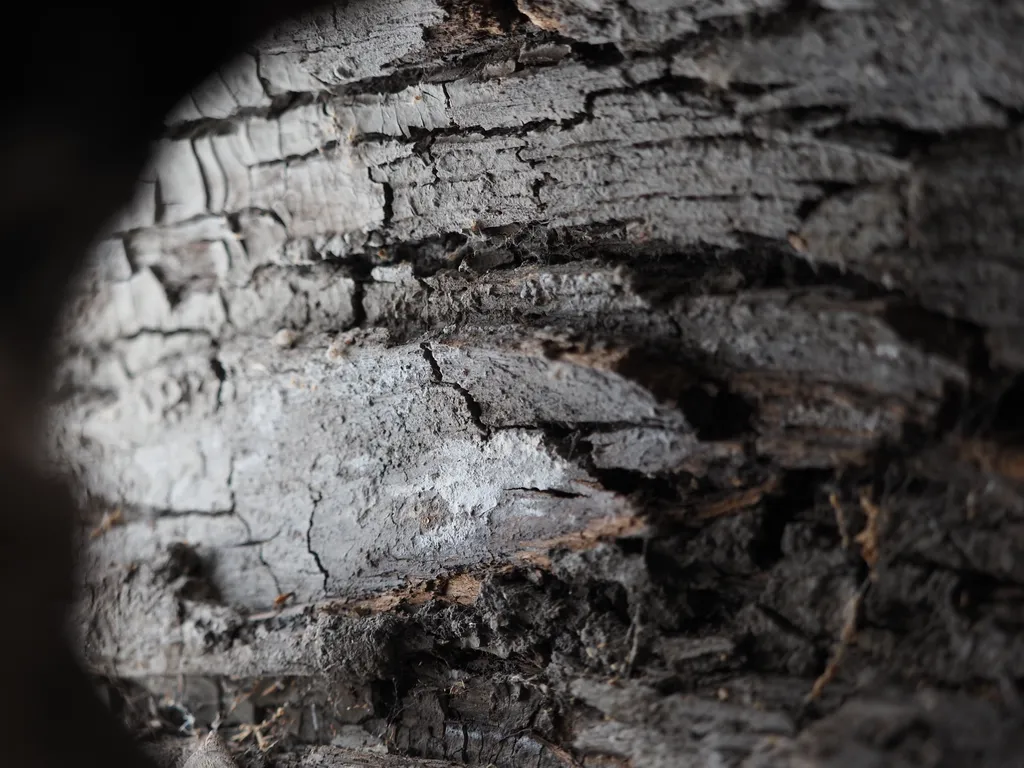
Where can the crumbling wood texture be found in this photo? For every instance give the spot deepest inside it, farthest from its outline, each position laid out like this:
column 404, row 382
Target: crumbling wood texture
column 570, row 383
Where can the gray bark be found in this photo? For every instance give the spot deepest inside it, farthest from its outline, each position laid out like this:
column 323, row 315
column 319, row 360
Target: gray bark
column 571, row 384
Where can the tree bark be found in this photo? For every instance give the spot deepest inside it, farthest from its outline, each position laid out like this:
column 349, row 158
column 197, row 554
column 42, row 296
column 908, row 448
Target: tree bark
column 570, row 383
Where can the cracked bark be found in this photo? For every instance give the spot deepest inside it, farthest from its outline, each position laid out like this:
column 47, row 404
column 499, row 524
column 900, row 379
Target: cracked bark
column 652, row 400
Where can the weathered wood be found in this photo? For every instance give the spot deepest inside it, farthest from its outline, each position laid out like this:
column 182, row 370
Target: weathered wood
column 571, row 382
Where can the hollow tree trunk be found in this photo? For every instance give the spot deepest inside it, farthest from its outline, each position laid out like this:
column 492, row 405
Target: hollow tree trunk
column 571, row 383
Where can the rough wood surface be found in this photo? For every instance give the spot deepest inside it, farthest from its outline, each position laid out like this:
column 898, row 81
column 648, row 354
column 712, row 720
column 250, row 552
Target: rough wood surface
column 586, row 381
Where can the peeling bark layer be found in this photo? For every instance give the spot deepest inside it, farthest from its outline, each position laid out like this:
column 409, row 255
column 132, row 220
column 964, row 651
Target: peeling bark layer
column 571, row 383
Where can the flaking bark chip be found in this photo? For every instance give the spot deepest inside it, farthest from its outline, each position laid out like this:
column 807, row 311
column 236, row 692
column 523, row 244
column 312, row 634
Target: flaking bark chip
column 212, row 753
